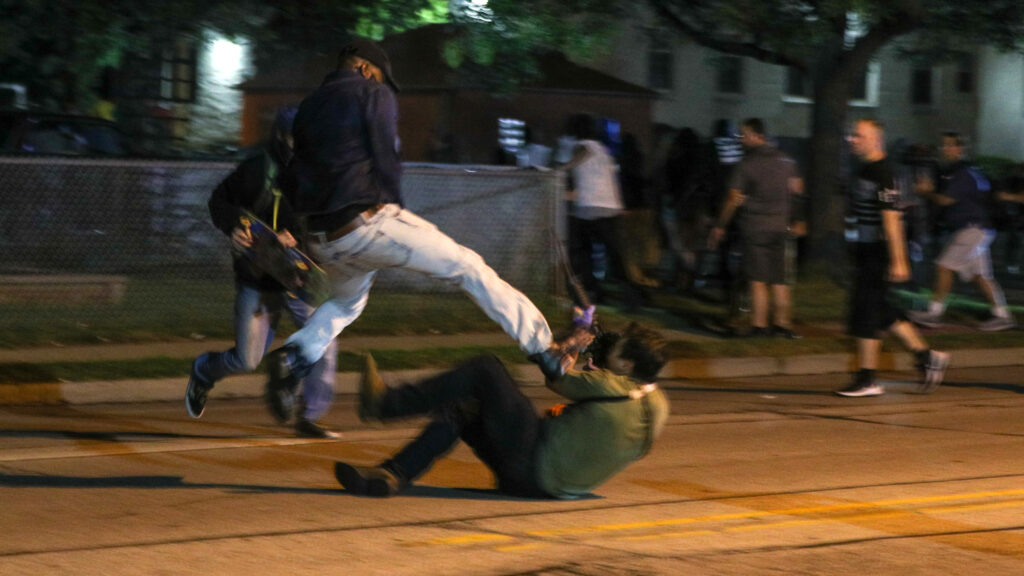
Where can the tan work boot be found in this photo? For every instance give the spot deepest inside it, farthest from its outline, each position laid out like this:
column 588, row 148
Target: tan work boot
column 371, row 391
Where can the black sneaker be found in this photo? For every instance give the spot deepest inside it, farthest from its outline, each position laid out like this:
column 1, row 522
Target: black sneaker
column 859, row 389
column 785, row 333
column 281, row 384
column 305, row 428
column 367, row 481
column 196, row 392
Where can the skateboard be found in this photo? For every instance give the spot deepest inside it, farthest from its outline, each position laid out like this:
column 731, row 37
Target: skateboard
column 296, row 271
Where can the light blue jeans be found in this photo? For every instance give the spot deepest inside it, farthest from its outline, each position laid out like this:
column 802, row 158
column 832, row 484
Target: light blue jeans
column 397, row 238
column 257, row 314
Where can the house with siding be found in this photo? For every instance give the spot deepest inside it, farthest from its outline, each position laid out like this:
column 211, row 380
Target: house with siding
column 446, row 118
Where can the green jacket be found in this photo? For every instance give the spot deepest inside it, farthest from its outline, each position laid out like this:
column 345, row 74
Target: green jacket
column 591, row 441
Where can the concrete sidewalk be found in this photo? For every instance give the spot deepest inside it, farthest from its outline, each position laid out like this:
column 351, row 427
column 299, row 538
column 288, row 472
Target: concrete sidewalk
column 250, row 386
column 193, row 348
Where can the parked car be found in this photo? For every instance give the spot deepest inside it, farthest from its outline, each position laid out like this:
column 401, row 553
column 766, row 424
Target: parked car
column 53, row 134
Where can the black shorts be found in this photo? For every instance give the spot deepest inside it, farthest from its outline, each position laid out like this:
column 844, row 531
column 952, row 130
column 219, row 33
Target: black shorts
column 871, row 311
column 764, row 256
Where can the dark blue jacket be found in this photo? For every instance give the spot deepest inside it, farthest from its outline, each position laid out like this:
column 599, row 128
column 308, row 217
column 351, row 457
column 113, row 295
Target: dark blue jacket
column 972, row 194
column 346, row 147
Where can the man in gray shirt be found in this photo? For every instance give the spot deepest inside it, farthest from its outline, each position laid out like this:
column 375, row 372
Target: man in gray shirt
column 764, row 183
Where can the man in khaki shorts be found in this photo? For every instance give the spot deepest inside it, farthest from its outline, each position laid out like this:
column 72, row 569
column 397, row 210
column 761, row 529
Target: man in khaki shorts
column 962, row 196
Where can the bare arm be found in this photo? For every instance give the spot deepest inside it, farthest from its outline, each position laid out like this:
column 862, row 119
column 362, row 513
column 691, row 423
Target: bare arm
column 796, row 185
column 925, row 188
column 899, row 266
column 736, row 199
column 1005, row 196
column 580, row 154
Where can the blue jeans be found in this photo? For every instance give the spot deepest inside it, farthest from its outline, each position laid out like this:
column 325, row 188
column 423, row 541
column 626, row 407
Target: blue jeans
column 257, row 314
column 397, row 238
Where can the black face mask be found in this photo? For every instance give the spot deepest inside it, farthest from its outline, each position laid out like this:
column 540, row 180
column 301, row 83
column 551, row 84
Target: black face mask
column 602, row 346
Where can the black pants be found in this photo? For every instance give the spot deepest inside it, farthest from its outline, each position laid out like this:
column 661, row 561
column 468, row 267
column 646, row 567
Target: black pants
column 583, row 234
column 479, row 403
column 871, row 310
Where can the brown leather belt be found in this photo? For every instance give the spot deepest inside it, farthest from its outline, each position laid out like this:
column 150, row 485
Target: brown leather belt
column 360, row 219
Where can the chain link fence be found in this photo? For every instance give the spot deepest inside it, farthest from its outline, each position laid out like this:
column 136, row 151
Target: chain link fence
column 142, row 229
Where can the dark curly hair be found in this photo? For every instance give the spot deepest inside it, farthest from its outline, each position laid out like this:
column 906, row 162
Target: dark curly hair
column 642, row 345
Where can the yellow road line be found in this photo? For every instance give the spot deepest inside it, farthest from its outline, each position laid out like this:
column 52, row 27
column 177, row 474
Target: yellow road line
column 521, row 547
column 752, row 514
column 805, row 516
column 469, row 539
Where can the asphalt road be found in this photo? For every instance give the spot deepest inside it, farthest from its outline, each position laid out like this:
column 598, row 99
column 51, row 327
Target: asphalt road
column 754, row 476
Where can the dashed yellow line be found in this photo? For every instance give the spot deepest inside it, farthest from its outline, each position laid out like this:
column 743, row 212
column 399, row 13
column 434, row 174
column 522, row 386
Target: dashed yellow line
column 521, row 547
column 468, row 539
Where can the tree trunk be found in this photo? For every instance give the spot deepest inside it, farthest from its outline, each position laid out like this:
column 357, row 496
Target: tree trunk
column 832, row 74
column 825, row 181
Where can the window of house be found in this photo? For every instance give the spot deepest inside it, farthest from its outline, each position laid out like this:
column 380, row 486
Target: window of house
column 859, row 88
column 921, row 85
column 965, row 74
column 729, row 79
column 864, row 89
column 659, row 64
column 168, row 74
column 178, row 72
column 798, row 85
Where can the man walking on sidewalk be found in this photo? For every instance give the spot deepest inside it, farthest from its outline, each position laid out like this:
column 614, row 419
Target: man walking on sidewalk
column 880, row 260
column 963, row 197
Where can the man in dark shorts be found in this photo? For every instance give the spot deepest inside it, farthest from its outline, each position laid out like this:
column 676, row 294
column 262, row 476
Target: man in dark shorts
column 763, row 183
column 880, row 259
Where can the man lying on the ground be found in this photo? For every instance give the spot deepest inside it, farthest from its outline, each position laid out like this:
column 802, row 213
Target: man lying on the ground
column 616, row 412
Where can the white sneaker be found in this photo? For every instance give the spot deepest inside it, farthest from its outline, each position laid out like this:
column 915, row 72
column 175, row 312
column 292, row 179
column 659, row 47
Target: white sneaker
column 857, row 390
column 997, row 323
column 933, row 371
column 926, row 319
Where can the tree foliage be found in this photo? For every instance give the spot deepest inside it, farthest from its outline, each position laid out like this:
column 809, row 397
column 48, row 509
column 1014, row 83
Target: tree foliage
column 791, row 32
column 310, row 26
column 57, row 48
column 832, row 41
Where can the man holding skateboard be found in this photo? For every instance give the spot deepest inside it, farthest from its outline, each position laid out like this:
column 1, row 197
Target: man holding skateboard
column 251, row 192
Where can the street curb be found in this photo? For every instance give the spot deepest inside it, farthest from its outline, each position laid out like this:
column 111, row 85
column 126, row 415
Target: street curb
column 251, row 385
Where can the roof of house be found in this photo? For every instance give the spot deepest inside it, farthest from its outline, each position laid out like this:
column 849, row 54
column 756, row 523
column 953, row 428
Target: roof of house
column 417, row 65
